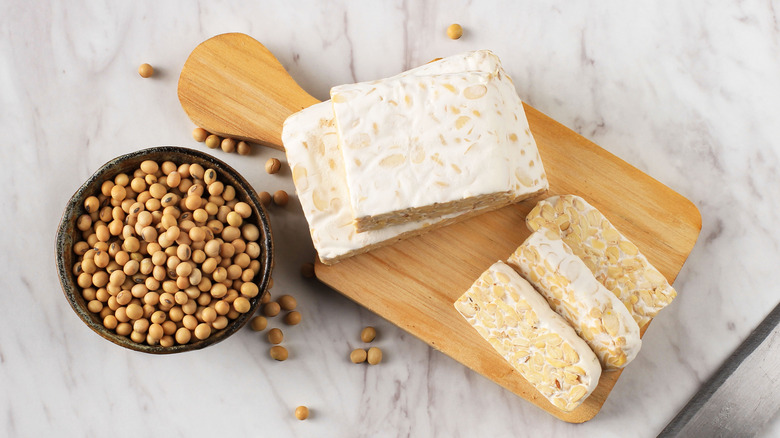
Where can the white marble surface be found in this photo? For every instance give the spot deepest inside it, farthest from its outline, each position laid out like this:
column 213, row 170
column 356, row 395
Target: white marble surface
column 686, row 91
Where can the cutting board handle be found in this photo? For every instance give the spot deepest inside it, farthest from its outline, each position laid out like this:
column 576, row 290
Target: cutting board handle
column 232, row 86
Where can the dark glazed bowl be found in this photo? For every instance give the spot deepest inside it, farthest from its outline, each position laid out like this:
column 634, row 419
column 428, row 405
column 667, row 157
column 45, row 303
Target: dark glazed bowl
column 68, row 235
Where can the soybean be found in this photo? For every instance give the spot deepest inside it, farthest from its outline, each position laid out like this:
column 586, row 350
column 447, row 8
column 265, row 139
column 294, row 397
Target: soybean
column 287, row 302
column 258, row 323
column 241, row 305
column 275, row 336
column 199, row 134
column 264, row 198
column 281, row 198
column 242, row 208
column 301, row 413
column 271, row 309
column 374, row 355
column 91, row 204
column 358, row 355
column 202, row 331
column 145, row 70
column 212, row 142
column 273, row 165
column 368, row 334
column 454, row 31
column 228, row 145
column 183, row 335
column 278, row 353
column 292, row 318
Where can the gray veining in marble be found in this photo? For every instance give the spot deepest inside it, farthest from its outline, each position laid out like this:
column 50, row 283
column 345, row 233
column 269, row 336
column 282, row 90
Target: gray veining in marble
column 686, row 91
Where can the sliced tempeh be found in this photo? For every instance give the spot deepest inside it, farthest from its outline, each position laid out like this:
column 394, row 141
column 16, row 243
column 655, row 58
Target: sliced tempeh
column 614, row 260
column 506, row 310
column 573, row 292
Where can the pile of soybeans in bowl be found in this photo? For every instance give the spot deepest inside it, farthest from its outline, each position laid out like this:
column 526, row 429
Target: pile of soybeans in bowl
column 165, row 250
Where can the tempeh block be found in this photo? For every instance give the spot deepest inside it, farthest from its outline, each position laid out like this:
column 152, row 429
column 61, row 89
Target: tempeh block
column 574, row 293
column 506, row 310
column 435, row 141
column 312, row 149
column 614, row 260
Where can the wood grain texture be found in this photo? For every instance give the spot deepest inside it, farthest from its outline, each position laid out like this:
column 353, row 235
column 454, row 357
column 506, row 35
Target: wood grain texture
column 233, row 86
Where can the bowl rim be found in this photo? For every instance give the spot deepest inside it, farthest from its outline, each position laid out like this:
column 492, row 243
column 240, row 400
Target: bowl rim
column 65, row 241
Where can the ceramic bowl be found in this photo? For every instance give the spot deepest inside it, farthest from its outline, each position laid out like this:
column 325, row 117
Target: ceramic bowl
column 68, row 234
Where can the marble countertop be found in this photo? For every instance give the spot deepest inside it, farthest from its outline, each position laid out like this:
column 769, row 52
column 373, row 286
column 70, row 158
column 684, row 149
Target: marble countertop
column 685, row 91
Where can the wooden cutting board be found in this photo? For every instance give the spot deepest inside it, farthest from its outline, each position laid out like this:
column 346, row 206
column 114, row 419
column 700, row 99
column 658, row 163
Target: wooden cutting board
column 232, row 85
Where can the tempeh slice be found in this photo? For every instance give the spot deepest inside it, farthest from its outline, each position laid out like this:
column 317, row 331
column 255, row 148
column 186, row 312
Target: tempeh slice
column 506, row 310
column 614, row 260
column 574, row 293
